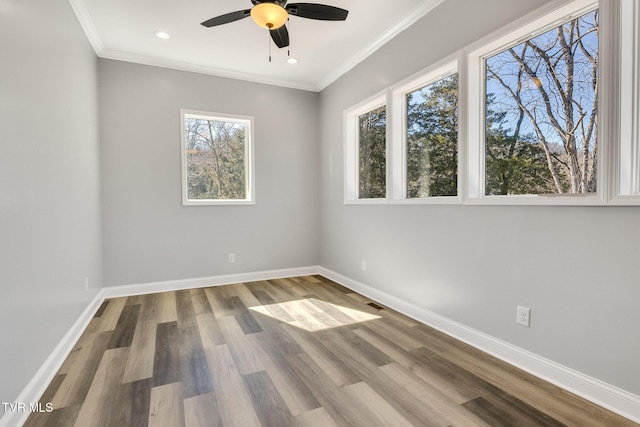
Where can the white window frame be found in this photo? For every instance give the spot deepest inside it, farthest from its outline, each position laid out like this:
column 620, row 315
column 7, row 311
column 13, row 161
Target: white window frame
column 521, row 30
column 398, row 119
column 352, row 149
column 248, row 161
column 626, row 159
column 618, row 112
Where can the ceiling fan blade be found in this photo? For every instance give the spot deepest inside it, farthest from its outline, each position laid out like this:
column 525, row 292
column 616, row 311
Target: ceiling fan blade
column 280, row 36
column 226, row 18
column 322, row 12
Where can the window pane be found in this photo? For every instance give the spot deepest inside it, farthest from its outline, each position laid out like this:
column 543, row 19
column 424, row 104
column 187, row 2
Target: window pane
column 432, row 139
column 541, row 114
column 372, row 145
column 215, row 153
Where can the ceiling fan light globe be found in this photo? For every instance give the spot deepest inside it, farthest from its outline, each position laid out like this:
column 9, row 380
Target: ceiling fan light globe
column 269, row 15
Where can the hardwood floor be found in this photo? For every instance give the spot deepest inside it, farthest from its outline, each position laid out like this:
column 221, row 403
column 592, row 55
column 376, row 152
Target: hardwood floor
column 303, row 352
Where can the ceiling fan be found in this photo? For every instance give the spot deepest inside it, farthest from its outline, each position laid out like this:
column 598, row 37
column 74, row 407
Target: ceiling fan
column 273, row 14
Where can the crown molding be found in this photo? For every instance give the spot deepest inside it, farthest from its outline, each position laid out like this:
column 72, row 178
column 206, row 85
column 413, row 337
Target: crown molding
column 194, row 68
column 90, row 30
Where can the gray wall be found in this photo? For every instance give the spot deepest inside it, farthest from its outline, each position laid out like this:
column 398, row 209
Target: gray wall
column 148, row 235
column 50, row 236
column 575, row 267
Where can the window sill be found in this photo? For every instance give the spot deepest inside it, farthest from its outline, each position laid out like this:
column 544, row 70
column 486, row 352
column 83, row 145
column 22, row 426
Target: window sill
column 217, row 202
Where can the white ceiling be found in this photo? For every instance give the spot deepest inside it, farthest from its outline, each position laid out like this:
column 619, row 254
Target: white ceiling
column 125, row 30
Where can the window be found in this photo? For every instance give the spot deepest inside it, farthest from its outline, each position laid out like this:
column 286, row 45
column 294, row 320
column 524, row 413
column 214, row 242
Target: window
column 544, row 112
column 627, row 184
column 372, row 158
column 432, row 139
column 537, row 120
column 540, row 112
column 425, row 136
column 217, row 154
column 366, row 152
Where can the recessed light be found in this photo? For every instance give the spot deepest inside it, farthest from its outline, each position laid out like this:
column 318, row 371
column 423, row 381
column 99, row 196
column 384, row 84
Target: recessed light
column 163, row 35
column 292, row 60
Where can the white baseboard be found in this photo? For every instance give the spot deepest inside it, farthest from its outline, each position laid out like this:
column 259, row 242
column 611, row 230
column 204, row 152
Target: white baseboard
column 201, row 282
column 596, row 391
column 39, row 383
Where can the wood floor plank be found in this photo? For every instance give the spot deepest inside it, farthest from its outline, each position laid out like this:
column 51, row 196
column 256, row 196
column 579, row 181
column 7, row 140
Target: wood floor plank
column 500, row 416
column 111, row 315
column 101, row 309
column 185, row 312
column 263, row 297
column 245, row 318
column 380, row 412
column 438, row 406
column 196, row 379
column 333, row 367
column 69, row 361
column 166, row 408
column 125, row 328
column 265, row 293
column 217, row 300
column 141, row 358
column 200, row 302
column 52, row 389
column 333, row 399
column 166, row 310
column 210, row 332
column 395, row 333
column 342, row 315
column 401, row 318
column 233, row 402
column 413, row 363
column 274, row 311
column 356, row 347
column 244, row 354
column 202, row 411
column 416, row 409
column 314, row 418
column 62, row 417
column 294, row 392
column 166, row 361
column 278, row 339
column 77, row 381
column 106, row 404
column 150, row 307
column 242, row 291
column 140, row 401
column 270, row 407
column 278, row 291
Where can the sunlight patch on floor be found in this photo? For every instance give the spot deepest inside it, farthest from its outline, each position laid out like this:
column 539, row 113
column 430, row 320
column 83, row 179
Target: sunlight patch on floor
column 313, row 315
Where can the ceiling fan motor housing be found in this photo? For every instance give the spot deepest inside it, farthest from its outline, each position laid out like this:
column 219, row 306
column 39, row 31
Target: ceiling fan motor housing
column 278, row 2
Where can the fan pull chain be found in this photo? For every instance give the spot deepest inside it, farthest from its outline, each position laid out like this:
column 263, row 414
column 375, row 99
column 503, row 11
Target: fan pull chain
column 269, row 39
column 289, row 47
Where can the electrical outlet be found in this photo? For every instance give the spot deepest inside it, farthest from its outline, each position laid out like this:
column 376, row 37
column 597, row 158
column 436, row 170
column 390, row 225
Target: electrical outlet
column 523, row 316
column 232, row 258
column 86, row 283
column 364, row 265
